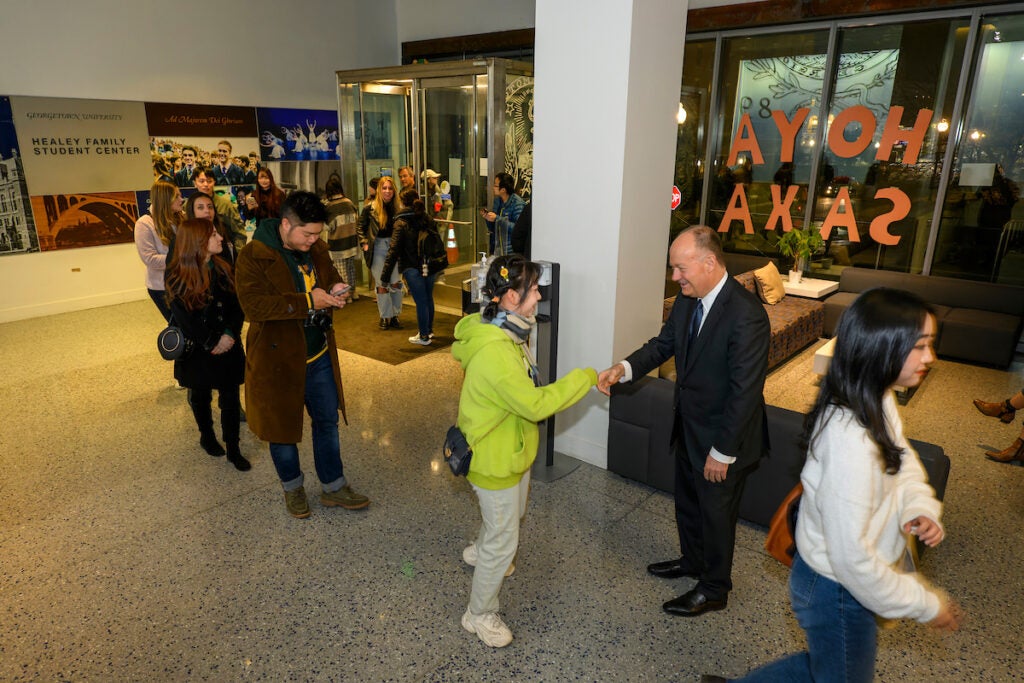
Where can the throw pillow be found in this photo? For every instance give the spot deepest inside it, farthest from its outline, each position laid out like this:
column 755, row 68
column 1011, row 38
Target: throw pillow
column 769, row 284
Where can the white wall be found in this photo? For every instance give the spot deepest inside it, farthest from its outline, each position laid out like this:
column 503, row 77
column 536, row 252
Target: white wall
column 251, row 53
column 607, row 92
column 423, row 19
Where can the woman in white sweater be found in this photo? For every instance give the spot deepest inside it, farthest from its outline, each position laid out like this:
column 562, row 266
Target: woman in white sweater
column 153, row 234
column 864, row 491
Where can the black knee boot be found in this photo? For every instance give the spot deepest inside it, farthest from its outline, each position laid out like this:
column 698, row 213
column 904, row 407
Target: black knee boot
column 230, row 416
column 203, row 413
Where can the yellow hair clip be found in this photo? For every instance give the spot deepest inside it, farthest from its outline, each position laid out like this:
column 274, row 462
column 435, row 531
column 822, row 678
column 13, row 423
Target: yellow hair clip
column 504, row 273
column 495, row 299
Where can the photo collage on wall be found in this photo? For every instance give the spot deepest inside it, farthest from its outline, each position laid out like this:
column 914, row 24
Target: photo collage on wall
column 76, row 173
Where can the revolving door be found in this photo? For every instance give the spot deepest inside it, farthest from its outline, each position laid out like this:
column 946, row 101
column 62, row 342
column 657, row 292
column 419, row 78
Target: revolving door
column 449, row 124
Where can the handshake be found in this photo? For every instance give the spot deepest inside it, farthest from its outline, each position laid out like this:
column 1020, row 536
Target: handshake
column 607, row 378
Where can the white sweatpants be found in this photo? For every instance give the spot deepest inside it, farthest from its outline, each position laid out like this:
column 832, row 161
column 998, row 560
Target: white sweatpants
column 497, row 542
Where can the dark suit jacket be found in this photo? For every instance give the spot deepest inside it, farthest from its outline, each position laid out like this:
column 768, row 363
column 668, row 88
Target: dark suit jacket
column 719, row 399
column 234, row 176
column 183, row 179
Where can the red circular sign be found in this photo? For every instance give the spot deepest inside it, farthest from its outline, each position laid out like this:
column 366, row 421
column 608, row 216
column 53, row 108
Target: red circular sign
column 677, row 197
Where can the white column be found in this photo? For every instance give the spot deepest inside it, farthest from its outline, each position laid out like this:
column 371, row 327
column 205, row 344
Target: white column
column 606, row 96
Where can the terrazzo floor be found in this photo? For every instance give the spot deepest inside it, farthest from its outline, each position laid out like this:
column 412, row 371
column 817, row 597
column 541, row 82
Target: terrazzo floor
column 127, row 554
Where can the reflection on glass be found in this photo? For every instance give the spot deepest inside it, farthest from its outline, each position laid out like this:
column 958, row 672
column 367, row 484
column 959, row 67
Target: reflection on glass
column 770, row 95
column 694, row 101
column 876, row 188
column 981, row 236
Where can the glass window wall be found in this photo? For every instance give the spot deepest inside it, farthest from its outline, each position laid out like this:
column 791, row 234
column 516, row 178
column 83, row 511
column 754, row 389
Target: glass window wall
column 981, row 236
column 848, row 128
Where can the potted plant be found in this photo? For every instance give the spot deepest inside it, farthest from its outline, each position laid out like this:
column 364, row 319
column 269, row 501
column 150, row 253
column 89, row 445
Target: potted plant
column 799, row 244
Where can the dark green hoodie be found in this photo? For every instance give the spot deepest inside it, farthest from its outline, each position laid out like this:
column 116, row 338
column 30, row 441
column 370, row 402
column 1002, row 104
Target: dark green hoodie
column 267, row 232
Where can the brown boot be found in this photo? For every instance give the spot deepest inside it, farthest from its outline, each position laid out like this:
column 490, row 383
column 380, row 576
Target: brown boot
column 1004, row 411
column 1014, row 454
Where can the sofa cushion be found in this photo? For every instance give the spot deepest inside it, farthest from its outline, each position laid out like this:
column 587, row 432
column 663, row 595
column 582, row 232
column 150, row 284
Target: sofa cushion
column 769, row 284
column 746, row 279
column 978, row 336
column 795, row 322
column 834, row 307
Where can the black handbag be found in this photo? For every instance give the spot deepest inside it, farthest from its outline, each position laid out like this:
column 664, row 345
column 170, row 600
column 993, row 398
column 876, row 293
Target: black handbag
column 457, row 451
column 172, row 342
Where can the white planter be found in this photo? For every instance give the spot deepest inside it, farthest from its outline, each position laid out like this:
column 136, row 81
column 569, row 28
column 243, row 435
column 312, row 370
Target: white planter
column 795, row 276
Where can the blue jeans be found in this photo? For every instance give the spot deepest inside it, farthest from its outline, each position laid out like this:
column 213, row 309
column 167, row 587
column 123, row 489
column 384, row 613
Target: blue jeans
column 389, row 304
column 841, row 633
column 322, row 405
column 422, row 291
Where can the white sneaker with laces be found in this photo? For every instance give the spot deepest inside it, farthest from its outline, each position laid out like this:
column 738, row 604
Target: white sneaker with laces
column 417, row 339
column 469, row 556
column 488, row 627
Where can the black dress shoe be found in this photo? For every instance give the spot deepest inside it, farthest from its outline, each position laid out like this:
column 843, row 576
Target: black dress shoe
column 383, row 324
column 395, row 323
column 693, row 603
column 672, row 569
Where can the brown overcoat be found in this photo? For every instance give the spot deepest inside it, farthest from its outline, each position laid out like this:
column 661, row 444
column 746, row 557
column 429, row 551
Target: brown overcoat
column 275, row 364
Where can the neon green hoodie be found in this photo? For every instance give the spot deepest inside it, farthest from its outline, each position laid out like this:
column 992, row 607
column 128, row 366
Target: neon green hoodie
column 497, row 390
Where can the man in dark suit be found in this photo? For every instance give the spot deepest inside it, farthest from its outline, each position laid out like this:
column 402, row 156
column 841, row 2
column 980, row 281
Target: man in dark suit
column 225, row 172
column 719, row 334
column 185, row 177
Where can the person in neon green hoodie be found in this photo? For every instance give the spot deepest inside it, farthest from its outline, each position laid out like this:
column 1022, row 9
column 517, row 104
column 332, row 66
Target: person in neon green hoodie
column 500, row 405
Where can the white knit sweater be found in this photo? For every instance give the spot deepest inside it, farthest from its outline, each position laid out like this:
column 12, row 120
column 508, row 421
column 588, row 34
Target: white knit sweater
column 852, row 512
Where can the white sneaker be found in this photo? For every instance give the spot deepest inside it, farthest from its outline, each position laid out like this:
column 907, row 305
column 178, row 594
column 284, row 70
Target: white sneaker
column 469, row 556
column 417, row 339
column 489, row 627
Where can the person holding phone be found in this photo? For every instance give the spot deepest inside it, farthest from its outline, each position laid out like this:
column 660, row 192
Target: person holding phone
column 289, row 288
column 503, row 214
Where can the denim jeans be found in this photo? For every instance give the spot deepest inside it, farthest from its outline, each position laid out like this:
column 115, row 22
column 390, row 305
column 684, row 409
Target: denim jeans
column 321, row 400
column 841, row 634
column 422, row 291
column 389, row 304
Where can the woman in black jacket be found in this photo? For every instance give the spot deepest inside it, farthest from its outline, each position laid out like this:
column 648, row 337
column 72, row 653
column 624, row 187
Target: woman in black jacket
column 412, row 224
column 201, row 293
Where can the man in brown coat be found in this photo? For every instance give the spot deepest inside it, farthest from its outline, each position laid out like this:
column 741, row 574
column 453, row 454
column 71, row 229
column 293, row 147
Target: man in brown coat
column 289, row 288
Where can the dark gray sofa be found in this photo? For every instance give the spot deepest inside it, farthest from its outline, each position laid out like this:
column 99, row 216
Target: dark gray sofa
column 640, row 429
column 978, row 322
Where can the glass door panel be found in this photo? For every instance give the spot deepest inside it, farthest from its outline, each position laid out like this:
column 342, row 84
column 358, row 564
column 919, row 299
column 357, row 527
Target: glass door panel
column 447, row 145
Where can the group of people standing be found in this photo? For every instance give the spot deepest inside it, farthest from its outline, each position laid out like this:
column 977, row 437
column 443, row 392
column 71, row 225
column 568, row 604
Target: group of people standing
column 392, row 228
column 194, row 262
column 865, row 490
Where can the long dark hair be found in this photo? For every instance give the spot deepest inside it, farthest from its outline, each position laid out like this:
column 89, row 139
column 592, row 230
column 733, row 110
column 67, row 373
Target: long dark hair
column 188, row 277
column 520, row 275
column 874, row 337
column 410, row 199
column 226, row 231
column 268, row 202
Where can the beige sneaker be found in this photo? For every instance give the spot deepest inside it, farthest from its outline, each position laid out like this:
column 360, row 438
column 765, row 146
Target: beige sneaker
column 344, row 497
column 488, row 627
column 469, row 556
column 296, row 503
